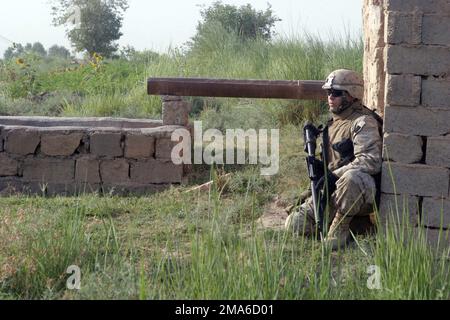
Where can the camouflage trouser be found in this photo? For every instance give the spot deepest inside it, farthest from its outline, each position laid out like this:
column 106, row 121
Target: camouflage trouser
column 354, row 195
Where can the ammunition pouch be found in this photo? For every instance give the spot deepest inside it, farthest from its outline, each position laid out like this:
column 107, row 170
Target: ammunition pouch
column 346, row 152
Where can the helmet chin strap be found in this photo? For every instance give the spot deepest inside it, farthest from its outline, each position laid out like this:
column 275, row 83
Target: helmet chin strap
column 346, row 103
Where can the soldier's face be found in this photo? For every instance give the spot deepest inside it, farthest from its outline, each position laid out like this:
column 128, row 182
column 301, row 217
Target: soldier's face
column 334, row 103
column 335, row 99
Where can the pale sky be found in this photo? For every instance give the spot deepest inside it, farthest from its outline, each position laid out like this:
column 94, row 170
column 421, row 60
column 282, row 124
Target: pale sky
column 156, row 24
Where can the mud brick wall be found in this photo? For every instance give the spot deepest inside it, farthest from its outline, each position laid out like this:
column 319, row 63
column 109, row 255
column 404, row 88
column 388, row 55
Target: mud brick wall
column 374, row 60
column 407, row 78
column 66, row 156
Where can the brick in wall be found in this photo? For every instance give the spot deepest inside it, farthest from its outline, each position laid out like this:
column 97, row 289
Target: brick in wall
column 21, row 141
column 417, row 121
column 106, row 144
column 49, row 170
column 436, row 29
column 87, row 170
column 54, row 144
column 402, row 148
column 438, row 151
column 8, row 166
column 419, row 60
column 115, row 171
column 415, row 179
column 404, row 28
column 399, row 209
column 437, row 239
column 403, row 90
column 154, row 171
column 138, row 146
column 436, row 213
column 436, row 92
column 164, row 149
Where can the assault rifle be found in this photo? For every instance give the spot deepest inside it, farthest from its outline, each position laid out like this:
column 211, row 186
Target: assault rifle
column 322, row 183
column 316, row 172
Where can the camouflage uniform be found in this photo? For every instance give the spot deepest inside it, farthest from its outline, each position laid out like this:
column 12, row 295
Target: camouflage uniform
column 356, row 186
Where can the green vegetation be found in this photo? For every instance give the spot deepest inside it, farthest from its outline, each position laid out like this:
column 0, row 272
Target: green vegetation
column 103, row 87
column 245, row 22
column 207, row 245
column 178, row 245
column 95, row 24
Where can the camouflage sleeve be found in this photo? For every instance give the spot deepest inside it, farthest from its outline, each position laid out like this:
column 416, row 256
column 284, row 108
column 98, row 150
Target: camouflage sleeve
column 368, row 147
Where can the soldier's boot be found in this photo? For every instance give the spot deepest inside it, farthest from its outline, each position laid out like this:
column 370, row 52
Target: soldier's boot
column 339, row 232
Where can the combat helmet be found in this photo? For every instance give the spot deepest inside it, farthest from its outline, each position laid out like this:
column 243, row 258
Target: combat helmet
column 346, row 80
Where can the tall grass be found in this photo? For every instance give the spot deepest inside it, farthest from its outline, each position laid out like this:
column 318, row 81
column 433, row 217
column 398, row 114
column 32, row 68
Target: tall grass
column 240, row 262
column 118, row 87
column 305, row 57
column 49, row 252
column 178, row 245
column 47, row 244
column 411, row 269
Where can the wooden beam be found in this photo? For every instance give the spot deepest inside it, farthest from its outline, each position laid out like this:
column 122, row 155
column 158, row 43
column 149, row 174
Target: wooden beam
column 197, row 87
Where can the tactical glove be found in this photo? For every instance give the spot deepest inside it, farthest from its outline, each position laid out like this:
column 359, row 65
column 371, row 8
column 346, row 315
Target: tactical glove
column 331, row 179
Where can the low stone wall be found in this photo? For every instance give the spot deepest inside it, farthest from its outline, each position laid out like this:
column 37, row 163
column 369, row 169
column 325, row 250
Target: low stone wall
column 81, row 122
column 66, row 156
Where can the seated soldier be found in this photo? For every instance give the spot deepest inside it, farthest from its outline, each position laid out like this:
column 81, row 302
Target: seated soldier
column 354, row 179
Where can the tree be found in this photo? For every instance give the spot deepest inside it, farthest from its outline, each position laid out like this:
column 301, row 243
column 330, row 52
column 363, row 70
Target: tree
column 14, row 51
column 28, row 47
column 39, row 49
column 244, row 21
column 95, row 26
column 58, row 51
column 17, row 50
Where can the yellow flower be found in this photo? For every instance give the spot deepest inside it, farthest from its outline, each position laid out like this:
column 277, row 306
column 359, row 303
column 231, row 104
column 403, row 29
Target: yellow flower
column 97, row 57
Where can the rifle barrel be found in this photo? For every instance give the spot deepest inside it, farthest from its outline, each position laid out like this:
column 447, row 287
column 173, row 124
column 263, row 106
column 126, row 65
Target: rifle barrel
column 198, row 87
